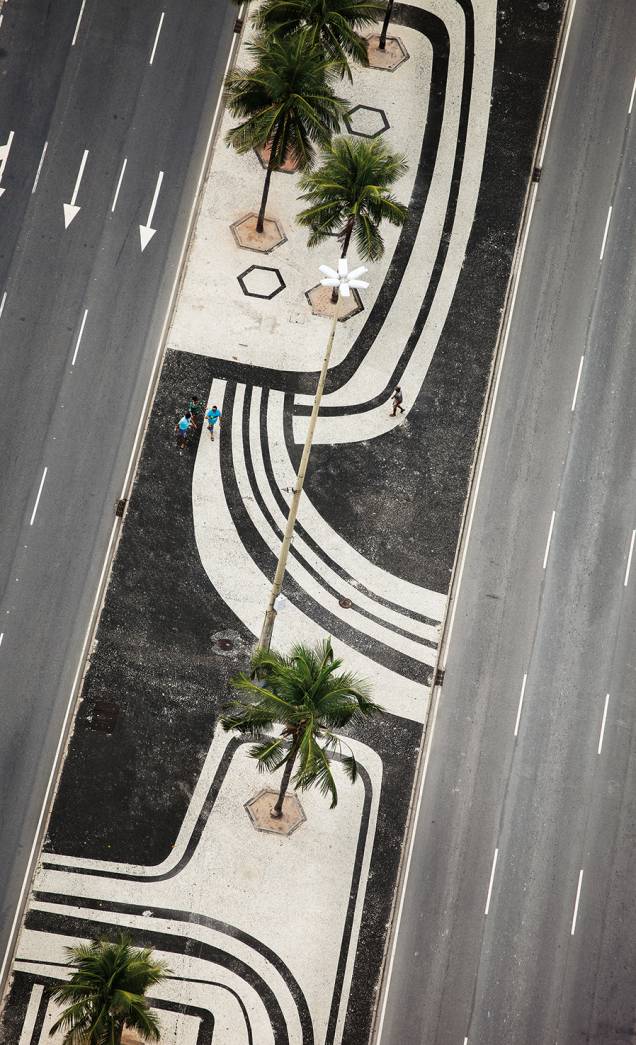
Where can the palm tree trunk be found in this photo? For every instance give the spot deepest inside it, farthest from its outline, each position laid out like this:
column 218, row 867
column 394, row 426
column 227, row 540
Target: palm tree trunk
column 260, row 224
column 385, row 25
column 277, row 811
column 343, row 254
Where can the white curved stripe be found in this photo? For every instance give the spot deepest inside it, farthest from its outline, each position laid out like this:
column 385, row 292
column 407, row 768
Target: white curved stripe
column 245, row 588
column 44, row 948
column 295, row 569
column 345, row 588
column 371, row 377
column 361, row 570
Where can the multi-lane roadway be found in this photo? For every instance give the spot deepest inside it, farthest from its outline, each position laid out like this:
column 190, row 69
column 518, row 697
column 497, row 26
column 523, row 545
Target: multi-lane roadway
column 105, row 115
column 518, row 924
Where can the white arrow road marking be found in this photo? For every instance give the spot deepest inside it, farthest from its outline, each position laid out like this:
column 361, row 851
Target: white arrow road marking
column 70, row 210
column 4, row 156
column 37, row 499
column 145, row 231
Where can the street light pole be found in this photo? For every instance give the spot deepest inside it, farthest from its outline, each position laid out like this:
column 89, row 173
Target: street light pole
column 343, row 280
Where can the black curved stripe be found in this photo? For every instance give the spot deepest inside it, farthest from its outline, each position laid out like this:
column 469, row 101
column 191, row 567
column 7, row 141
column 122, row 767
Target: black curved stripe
column 294, row 552
column 72, row 925
column 262, row 555
column 392, row 279
column 309, row 540
column 304, row 383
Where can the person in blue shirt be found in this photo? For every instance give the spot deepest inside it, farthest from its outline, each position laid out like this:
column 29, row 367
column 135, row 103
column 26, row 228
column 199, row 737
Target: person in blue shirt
column 183, row 428
column 212, row 417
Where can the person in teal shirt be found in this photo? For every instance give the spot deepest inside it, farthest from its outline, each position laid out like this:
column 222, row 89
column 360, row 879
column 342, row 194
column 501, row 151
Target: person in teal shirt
column 212, row 417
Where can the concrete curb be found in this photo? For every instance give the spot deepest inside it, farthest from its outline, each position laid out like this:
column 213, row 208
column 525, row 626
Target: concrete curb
column 469, row 506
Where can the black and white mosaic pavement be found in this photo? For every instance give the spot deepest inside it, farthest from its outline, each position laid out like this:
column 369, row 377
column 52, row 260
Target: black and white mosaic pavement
column 140, row 823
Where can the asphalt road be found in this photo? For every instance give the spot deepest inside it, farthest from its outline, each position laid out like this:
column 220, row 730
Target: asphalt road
column 518, row 925
column 88, row 90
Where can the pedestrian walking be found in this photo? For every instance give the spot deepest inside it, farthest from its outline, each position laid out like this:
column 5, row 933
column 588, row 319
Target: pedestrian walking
column 183, row 428
column 196, row 408
column 213, row 417
column 397, row 401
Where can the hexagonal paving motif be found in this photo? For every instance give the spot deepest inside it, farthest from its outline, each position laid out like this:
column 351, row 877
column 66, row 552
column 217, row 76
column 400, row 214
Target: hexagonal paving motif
column 365, row 121
column 259, row 281
column 259, row 810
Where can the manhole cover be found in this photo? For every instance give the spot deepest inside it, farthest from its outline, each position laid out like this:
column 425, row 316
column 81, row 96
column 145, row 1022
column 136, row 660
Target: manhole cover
column 345, row 603
column 225, row 644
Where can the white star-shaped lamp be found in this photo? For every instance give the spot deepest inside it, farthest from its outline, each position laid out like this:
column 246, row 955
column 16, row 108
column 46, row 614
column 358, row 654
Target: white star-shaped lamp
column 343, row 279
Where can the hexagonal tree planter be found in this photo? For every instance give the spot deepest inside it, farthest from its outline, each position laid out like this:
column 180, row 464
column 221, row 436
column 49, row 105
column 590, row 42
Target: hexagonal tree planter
column 289, row 166
column 366, row 122
column 259, row 810
column 259, row 281
column 246, row 236
column 389, row 59
column 319, row 298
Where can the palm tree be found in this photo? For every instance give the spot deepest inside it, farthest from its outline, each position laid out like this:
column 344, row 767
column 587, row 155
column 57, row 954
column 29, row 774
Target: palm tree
column 385, row 25
column 106, row 993
column 349, row 196
column 334, row 24
column 287, row 101
column 304, row 694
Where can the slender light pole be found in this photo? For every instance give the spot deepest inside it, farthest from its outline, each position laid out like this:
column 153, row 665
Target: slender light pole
column 344, row 281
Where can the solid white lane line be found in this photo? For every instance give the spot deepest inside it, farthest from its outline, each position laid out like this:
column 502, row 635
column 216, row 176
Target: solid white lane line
column 576, row 387
column 37, row 173
column 609, row 217
column 547, row 543
column 154, row 46
column 576, row 902
column 523, row 689
column 121, row 178
column 600, row 739
column 492, row 878
column 1, row 637
column 37, row 499
column 79, row 337
column 77, row 24
column 631, row 100
column 4, row 298
column 556, row 85
column 629, row 559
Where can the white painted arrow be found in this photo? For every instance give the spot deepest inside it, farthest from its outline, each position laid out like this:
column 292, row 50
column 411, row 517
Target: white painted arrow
column 4, row 156
column 145, row 231
column 70, row 210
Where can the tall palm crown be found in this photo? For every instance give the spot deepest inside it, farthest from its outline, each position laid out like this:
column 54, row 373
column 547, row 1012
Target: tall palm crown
column 335, row 24
column 106, row 993
column 286, row 101
column 349, row 195
column 306, row 695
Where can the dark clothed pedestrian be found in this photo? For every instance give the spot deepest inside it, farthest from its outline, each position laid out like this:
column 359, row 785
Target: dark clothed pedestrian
column 195, row 408
column 397, row 401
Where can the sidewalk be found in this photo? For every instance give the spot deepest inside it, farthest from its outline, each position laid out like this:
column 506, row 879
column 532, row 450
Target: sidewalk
column 280, row 939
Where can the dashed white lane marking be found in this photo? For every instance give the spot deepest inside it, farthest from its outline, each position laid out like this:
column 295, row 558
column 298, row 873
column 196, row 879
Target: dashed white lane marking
column 37, row 173
column 1, row 637
column 31, row 1014
column 629, row 559
column 547, row 543
column 4, row 298
column 607, row 224
column 77, row 24
column 600, row 739
column 576, row 902
column 523, row 689
column 79, row 337
column 4, row 156
column 121, row 178
column 576, row 387
column 631, row 100
column 154, row 46
column 37, row 499
column 492, row 878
